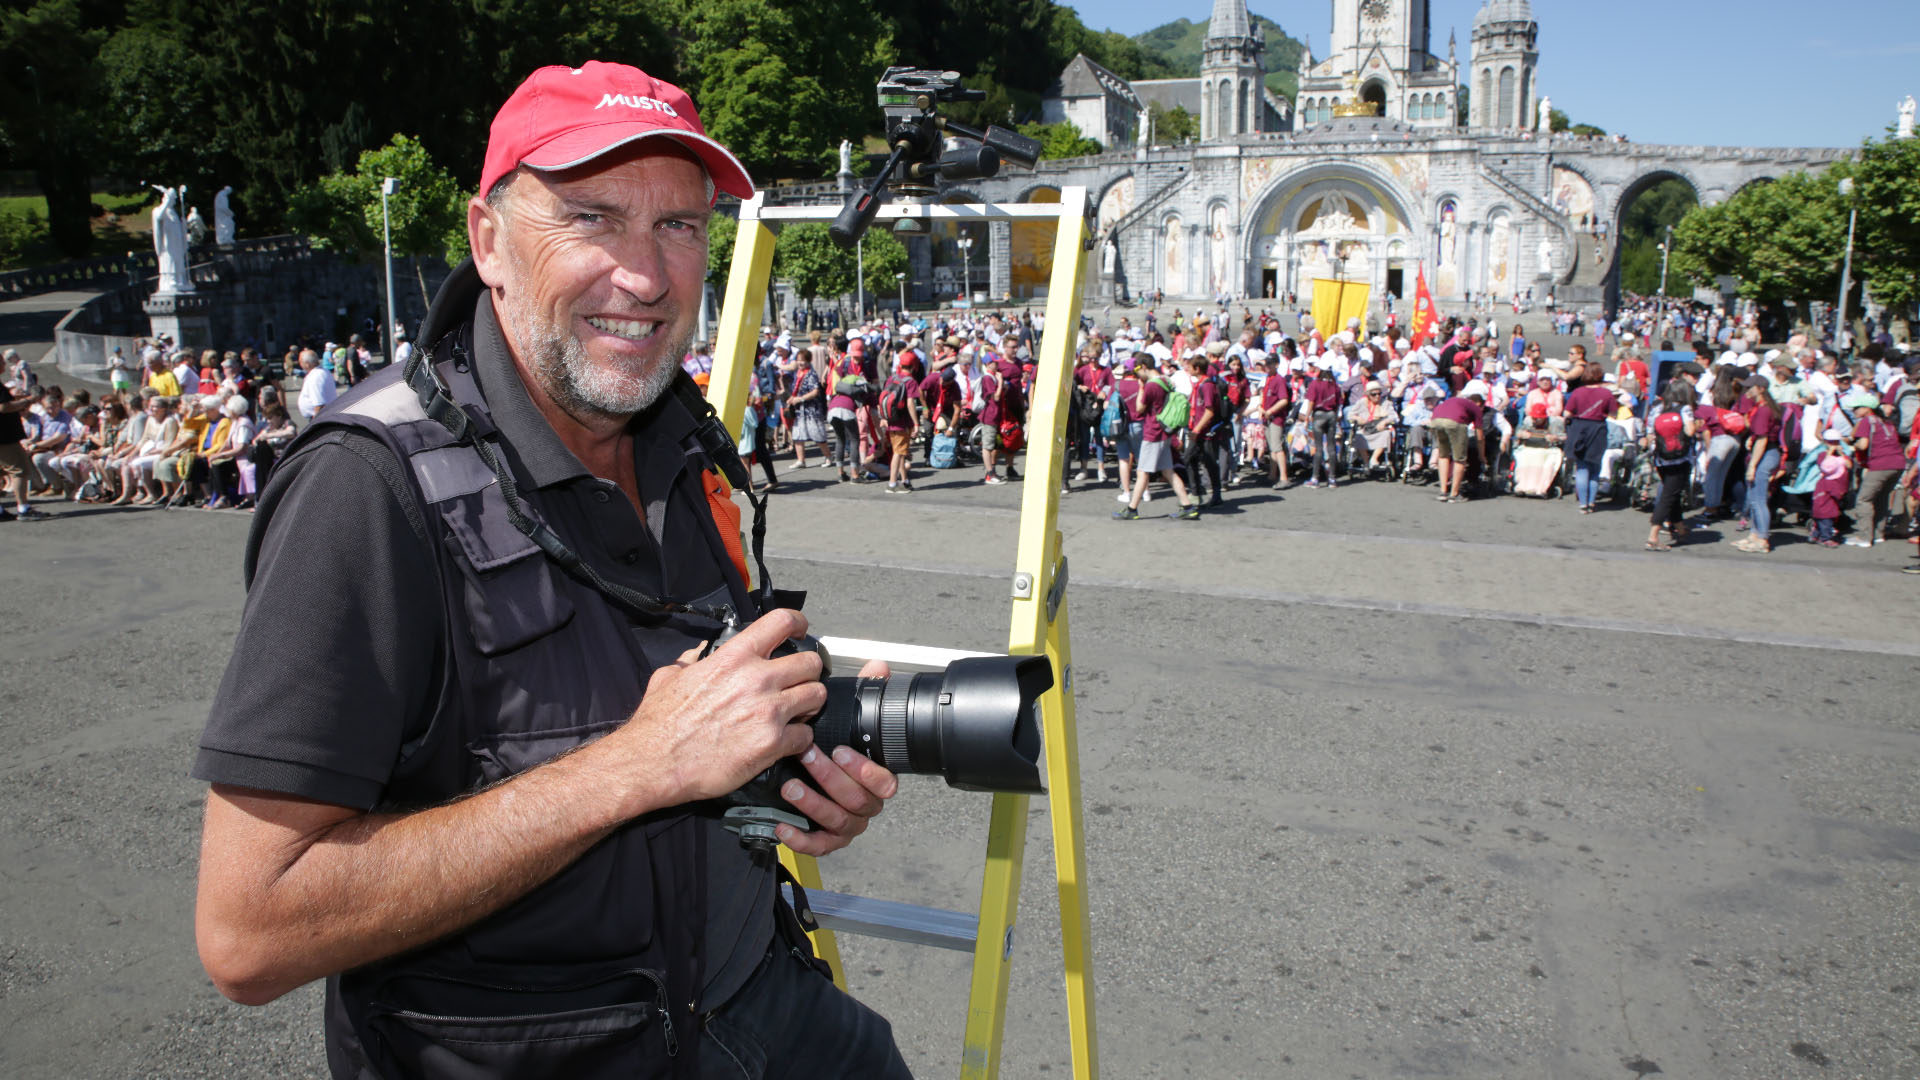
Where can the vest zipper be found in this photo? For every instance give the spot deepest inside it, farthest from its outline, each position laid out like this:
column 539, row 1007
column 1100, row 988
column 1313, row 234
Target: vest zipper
column 661, row 1003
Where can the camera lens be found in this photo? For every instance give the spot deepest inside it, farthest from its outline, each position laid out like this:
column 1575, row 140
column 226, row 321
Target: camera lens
column 977, row 723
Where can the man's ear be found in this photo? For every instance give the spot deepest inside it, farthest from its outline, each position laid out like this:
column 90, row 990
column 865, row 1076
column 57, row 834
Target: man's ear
column 485, row 234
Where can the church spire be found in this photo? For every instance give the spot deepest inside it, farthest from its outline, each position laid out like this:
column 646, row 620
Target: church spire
column 1230, row 20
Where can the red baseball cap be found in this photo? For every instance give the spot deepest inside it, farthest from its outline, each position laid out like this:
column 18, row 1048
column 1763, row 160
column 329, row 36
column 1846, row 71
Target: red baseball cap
column 562, row 117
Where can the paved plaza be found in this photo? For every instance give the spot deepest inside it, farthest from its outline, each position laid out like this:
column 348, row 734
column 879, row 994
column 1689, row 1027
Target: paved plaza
column 1374, row 787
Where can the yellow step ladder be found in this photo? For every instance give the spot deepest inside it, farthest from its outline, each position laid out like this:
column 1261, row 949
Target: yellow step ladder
column 1038, row 626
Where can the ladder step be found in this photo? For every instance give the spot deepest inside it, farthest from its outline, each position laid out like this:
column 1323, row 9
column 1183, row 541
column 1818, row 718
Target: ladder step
column 890, row 919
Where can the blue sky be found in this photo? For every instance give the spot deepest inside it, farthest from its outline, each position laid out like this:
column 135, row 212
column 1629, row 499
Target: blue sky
column 1754, row 73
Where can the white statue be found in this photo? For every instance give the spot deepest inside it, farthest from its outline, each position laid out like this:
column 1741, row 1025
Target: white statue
column 1107, row 253
column 1905, row 128
column 223, row 217
column 846, row 157
column 1144, row 128
column 196, row 226
column 1545, row 124
column 1545, row 254
column 170, row 241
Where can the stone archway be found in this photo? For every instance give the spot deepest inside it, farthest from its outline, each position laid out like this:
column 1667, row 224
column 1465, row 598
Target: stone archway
column 1630, row 241
column 1326, row 219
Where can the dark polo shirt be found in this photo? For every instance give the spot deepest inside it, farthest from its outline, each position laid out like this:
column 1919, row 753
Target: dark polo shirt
column 340, row 656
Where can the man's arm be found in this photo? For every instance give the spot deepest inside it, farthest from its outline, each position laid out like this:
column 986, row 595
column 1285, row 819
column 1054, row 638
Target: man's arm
column 292, row 890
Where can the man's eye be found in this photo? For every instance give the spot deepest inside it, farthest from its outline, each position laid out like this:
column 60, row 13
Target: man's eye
column 588, row 219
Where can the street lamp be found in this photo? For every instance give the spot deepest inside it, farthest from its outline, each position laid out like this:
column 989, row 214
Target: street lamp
column 1666, row 251
column 1846, row 265
column 902, row 279
column 387, row 187
column 860, row 279
column 965, row 244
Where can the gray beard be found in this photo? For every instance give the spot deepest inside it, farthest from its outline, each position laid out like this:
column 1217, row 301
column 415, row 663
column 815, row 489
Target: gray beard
column 560, row 363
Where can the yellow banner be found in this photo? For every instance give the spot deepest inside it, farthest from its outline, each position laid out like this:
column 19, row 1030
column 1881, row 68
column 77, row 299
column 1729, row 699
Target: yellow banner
column 1335, row 301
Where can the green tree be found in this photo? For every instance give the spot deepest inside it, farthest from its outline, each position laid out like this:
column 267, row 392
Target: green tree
column 883, row 256
column 1643, row 228
column 1782, row 240
column 1171, row 127
column 20, row 230
column 807, row 258
column 50, row 115
column 780, row 81
column 427, row 210
column 721, row 231
column 1887, row 245
column 1061, row 140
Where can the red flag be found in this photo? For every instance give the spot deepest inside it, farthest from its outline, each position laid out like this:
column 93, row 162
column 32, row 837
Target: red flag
column 1424, row 316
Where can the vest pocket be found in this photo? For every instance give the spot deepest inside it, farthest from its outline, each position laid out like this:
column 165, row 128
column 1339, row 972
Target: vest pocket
column 616, row 1027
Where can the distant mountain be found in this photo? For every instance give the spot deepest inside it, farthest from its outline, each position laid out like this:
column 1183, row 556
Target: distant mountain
column 1177, row 45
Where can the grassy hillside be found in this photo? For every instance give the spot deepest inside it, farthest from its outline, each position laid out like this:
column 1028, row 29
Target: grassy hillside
column 1177, row 44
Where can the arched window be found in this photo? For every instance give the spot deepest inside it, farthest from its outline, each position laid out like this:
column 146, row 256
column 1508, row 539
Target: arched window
column 1424, row 110
column 1240, row 120
column 1483, row 100
column 1440, row 108
column 1223, row 108
column 1525, row 99
column 1507, row 98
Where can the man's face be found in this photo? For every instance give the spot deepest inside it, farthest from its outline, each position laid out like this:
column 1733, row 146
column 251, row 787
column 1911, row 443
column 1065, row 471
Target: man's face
column 597, row 273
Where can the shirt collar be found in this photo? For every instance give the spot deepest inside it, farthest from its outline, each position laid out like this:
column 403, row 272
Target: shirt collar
column 522, row 425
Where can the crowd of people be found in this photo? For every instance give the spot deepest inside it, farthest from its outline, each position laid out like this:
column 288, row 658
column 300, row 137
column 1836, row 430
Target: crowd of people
column 1195, row 407
column 1800, row 435
column 197, row 429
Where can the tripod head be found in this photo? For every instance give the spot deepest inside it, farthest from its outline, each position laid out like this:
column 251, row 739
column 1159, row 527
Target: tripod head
column 911, row 99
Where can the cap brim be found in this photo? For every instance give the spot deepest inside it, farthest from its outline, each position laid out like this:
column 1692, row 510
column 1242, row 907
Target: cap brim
column 581, row 145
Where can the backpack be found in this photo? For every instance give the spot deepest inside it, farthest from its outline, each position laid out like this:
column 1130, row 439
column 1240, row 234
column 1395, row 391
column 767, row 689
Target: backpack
column 896, row 408
column 942, row 453
column 854, row 385
column 1671, row 445
column 1013, row 398
column 1790, row 428
column 1112, row 420
column 1733, row 423
column 1086, row 405
column 1172, row 415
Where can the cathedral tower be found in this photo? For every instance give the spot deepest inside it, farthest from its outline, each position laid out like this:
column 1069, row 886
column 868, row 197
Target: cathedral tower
column 1232, row 81
column 1505, row 55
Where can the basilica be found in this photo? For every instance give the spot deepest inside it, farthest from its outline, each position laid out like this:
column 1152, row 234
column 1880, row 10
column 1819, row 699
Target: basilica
column 1376, row 172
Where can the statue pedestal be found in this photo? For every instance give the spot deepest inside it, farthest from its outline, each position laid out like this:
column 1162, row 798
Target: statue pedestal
column 182, row 317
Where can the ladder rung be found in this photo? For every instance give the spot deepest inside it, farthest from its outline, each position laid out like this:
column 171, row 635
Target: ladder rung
column 893, row 920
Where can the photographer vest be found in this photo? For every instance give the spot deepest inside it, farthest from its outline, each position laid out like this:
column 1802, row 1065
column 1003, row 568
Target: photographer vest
column 597, row 971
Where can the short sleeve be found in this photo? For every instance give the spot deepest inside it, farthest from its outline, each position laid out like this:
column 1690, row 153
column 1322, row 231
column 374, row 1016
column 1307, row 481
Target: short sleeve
column 337, row 660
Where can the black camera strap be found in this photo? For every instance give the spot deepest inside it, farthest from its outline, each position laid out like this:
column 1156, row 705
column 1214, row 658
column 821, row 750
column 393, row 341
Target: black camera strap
column 437, row 400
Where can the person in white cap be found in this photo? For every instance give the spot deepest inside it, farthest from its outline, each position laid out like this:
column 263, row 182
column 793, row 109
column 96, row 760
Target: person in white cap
column 473, row 808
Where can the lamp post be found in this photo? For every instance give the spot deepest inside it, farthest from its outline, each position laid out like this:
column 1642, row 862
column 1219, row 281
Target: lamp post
column 1846, row 264
column 860, row 279
column 902, row 279
column 387, row 187
column 1666, row 251
column 965, row 244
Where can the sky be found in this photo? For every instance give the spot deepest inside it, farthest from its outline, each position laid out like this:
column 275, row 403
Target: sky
column 1687, row 72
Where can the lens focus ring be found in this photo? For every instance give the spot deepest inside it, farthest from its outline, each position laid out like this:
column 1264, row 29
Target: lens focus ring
column 893, row 721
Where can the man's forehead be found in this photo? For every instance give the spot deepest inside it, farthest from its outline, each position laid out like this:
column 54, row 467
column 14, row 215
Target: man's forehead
column 660, row 167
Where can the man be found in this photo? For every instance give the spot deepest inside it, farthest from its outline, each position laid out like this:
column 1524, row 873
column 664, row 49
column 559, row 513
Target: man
column 1320, row 408
column 1276, row 403
column 184, row 373
column 1206, row 446
column 1156, row 450
column 470, row 802
column 902, row 414
column 50, row 442
column 14, row 459
column 317, row 386
column 1456, row 429
column 160, row 379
